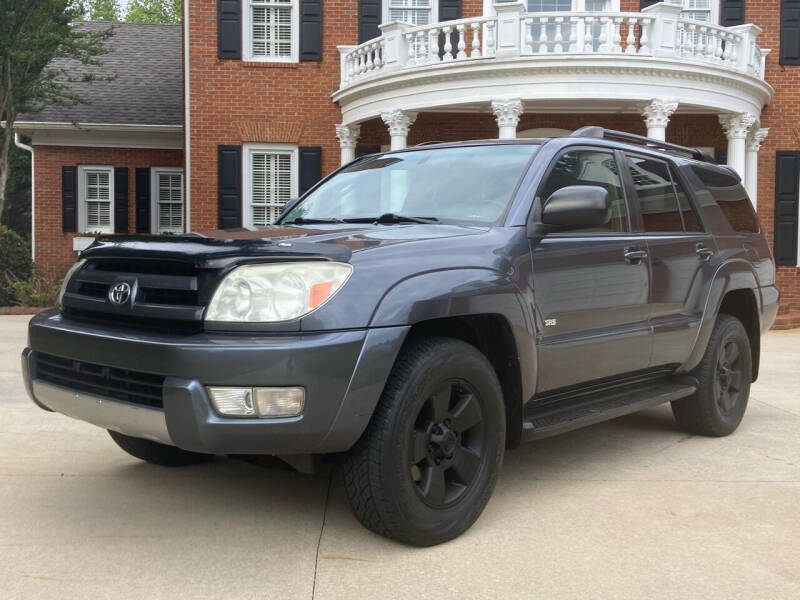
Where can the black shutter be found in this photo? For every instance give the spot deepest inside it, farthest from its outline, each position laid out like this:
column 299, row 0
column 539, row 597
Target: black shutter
column 311, row 30
column 69, row 199
column 143, row 200
column 362, row 150
column 229, row 185
column 310, row 167
column 787, row 189
column 121, row 200
column 369, row 17
column 449, row 10
column 229, row 28
column 646, row 3
column 790, row 32
column 731, row 13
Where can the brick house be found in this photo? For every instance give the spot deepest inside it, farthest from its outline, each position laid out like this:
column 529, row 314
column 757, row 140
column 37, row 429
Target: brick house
column 219, row 122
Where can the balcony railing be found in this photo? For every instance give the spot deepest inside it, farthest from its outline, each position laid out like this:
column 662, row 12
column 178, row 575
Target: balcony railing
column 656, row 32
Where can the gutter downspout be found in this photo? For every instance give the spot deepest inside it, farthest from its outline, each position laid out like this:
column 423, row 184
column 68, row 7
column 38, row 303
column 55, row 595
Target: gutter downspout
column 187, row 122
column 27, row 148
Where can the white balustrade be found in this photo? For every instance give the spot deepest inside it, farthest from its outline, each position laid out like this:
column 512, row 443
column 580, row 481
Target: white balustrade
column 655, row 32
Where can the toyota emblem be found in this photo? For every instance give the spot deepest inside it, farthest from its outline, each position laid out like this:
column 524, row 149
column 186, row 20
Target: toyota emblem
column 120, row 293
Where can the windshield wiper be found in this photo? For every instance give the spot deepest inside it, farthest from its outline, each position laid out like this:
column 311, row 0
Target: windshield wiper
column 393, row 218
column 305, row 221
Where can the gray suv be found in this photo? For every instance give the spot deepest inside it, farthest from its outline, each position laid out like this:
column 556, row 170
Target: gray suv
column 421, row 311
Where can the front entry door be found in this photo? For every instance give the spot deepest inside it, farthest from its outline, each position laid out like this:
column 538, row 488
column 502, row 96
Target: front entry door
column 591, row 286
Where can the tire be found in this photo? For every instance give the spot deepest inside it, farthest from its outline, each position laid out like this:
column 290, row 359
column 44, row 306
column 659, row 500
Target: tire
column 428, row 462
column 725, row 373
column 157, row 454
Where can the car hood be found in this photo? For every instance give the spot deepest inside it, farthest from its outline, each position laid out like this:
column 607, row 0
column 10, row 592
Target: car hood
column 221, row 247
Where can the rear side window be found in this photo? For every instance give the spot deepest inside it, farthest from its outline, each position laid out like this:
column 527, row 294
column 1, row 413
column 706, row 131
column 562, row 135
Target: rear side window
column 731, row 198
column 663, row 202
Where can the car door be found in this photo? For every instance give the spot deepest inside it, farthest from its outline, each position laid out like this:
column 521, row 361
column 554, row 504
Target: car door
column 680, row 252
column 590, row 286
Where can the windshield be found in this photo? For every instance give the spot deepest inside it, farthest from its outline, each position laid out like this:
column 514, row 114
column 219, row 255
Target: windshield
column 471, row 183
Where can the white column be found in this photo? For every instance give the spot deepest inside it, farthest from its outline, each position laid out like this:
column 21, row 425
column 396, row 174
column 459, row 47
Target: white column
column 656, row 116
column 399, row 122
column 736, row 127
column 754, row 141
column 507, row 113
column 348, row 136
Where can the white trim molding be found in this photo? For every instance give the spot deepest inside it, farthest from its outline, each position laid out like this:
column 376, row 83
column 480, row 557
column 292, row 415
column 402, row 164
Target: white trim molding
column 104, row 135
column 249, row 151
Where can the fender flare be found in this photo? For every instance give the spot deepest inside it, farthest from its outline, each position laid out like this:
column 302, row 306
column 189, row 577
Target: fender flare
column 732, row 275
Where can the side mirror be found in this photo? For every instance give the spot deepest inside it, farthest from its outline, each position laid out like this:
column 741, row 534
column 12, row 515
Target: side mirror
column 577, row 207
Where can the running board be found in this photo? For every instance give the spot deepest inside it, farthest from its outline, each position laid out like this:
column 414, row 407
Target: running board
column 568, row 414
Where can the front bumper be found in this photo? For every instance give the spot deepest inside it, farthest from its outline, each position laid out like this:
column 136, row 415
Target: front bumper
column 343, row 373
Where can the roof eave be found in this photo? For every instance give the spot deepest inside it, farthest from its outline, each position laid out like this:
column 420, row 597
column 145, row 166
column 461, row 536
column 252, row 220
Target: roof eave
column 127, row 127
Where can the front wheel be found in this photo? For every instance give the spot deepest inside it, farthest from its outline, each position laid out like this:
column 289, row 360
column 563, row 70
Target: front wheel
column 724, row 374
column 427, row 464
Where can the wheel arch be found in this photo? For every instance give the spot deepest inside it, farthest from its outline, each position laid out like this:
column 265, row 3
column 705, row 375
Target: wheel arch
column 734, row 290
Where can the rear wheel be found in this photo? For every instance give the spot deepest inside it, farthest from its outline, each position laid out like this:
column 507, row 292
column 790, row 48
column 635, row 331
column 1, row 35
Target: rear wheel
column 426, row 466
column 724, row 374
column 155, row 453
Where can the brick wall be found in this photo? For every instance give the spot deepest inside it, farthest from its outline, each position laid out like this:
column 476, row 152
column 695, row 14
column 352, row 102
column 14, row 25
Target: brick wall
column 782, row 116
column 53, row 247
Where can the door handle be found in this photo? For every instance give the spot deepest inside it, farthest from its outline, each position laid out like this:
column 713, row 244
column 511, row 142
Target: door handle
column 634, row 256
column 703, row 251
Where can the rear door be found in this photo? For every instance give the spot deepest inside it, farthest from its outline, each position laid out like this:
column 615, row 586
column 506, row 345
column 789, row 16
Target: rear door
column 680, row 255
column 591, row 286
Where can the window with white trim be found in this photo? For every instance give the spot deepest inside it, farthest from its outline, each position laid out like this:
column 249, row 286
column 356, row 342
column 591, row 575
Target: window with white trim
column 698, row 10
column 167, row 199
column 271, row 30
column 270, row 181
column 96, row 194
column 415, row 12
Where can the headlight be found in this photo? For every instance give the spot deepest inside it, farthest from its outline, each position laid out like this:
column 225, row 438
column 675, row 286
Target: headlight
column 67, row 277
column 277, row 291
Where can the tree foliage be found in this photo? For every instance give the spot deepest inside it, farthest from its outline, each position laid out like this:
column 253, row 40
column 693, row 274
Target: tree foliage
column 102, row 10
column 154, row 11
column 32, row 34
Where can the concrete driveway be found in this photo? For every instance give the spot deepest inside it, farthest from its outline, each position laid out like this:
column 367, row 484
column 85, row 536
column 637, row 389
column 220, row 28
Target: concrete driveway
column 632, row 508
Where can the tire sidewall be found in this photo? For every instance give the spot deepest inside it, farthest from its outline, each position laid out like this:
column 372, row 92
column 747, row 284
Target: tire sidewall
column 429, row 524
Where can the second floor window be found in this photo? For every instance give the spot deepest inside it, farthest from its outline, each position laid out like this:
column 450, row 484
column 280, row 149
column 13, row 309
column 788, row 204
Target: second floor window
column 697, row 10
column 415, row 12
column 271, row 30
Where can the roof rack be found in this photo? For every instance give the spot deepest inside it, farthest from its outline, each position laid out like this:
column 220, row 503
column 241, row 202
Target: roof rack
column 601, row 133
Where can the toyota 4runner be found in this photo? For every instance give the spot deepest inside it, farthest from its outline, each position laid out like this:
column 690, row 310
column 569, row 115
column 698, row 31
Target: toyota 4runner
column 421, row 311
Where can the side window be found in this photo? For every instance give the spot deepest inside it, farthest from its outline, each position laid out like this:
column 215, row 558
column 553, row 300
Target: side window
column 691, row 223
column 657, row 200
column 591, row 167
column 731, row 198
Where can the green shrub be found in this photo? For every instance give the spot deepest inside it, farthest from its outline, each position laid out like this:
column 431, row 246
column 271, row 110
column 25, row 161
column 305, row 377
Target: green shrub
column 15, row 263
column 39, row 289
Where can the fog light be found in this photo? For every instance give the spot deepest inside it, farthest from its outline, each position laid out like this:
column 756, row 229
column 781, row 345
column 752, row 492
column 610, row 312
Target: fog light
column 279, row 402
column 272, row 402
column 231, row 401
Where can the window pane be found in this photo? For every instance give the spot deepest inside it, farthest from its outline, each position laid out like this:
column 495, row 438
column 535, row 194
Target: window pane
column 97, row 199
column 271, row 186
column 731, row 198
column 549, row 5
column 590, row 167
column 272, row 30
column 690, row 221
column 170, row 202
column 657, row 200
